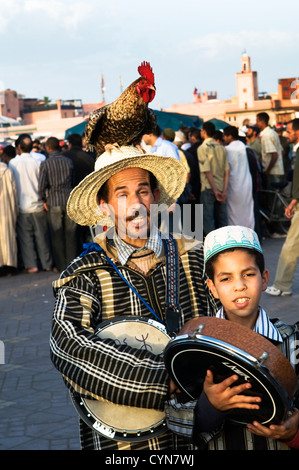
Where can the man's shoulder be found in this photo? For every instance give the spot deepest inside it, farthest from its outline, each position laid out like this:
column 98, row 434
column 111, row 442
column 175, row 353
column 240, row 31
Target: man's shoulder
column 92, row 258
column 60, row 157
column 65, row 158
column 79, row 156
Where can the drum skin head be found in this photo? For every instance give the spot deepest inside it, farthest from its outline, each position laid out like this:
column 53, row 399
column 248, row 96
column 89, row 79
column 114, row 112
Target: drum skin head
column 226, row 349
column 120, row 422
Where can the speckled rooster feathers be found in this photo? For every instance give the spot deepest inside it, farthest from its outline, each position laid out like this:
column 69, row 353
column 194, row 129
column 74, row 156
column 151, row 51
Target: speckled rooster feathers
column 125, row 120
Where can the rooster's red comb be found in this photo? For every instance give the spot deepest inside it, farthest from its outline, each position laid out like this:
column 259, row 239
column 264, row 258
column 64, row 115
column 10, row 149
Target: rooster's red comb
column 146, row 71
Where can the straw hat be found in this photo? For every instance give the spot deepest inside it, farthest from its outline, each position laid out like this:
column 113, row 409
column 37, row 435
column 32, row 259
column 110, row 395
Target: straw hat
column 82, row 206
column 230, row 236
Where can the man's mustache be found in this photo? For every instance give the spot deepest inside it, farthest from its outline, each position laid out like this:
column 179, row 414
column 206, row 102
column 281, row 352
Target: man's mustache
column 143, row 213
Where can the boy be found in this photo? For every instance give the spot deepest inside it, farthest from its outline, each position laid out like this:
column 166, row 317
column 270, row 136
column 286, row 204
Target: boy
column 237, row 277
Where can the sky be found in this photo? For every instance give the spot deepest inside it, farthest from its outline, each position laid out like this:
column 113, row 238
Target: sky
column 61, row 48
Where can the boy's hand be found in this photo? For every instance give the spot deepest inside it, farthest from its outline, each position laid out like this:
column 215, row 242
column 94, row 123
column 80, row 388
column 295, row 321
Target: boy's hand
column 285, row 431
column 223, row 397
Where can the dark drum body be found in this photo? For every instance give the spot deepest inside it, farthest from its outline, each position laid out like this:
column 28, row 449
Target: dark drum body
column 227, row 348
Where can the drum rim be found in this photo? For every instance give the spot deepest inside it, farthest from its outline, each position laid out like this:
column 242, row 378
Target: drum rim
column 130, row 318
column 234, row 352
column 114, row 432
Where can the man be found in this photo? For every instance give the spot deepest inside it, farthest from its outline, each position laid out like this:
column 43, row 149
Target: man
column 239, row 193
column 9, row 152
column 160, row 145
column 214, row 177
column 290, row 251
column 37, row 150
column 82, row 161
column 8, row 219
column 96, row 287
column 191, row 155
column 253, row 140
column 83, row 165
column 32, row 226
column 285, row 149
column 55, row 184
column 272, row 160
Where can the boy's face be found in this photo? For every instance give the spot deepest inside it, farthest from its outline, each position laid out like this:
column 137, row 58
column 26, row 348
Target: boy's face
column 238, row 284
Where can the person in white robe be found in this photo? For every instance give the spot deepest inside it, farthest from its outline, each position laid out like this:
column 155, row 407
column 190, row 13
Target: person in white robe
column 8, row 218
column 239, row 203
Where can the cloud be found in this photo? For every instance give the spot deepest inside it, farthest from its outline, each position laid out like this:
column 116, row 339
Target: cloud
column 215, row 45
column 9, row 10
column 69, row 15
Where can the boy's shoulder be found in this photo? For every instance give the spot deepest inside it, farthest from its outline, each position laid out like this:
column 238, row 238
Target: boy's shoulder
column 285, row 329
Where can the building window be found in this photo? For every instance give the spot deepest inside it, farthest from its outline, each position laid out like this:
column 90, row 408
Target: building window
column 244, row 90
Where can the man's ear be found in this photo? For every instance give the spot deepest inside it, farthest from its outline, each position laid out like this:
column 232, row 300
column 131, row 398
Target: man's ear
column 212, row 288
column 104, row 206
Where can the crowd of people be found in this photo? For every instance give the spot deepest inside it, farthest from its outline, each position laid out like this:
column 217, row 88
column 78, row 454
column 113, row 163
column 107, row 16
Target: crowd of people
column 36, row 181
column 225, row 171
column 228, row 168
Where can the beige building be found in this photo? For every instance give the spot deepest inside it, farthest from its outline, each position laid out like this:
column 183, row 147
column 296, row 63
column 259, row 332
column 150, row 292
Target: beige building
column 39, row 117
column 281, row 106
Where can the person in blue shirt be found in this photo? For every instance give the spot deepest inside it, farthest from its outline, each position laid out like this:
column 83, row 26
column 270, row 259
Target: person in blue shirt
column 160, row 145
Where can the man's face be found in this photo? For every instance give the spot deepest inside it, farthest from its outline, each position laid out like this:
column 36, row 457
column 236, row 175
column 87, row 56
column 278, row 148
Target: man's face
column 129, row 199
column 227, row 139
column 291, row 134
column 249, row 133
column 260, row 124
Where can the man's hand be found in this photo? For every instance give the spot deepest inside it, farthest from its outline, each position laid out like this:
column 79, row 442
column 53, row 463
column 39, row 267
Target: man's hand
column 289, row 211
column 224, row 397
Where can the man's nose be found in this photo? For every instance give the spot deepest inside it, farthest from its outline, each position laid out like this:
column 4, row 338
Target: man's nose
column 134, row 202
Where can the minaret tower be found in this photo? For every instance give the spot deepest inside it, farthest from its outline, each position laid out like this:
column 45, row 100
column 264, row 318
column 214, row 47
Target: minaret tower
column 247, row 86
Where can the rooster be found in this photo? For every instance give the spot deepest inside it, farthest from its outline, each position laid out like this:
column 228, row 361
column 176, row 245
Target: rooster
column 125, row 120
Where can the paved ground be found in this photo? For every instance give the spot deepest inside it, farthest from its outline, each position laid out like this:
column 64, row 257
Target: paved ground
column 35, row 409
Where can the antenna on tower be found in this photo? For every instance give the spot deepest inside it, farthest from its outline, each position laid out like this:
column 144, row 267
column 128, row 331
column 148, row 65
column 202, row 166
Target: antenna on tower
column 103, row 87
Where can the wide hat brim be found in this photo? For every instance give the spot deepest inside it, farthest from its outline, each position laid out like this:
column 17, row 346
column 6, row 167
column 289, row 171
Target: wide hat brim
column 82, row 205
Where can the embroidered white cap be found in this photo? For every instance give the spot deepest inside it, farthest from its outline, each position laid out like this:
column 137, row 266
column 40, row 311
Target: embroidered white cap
column 230, row 236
